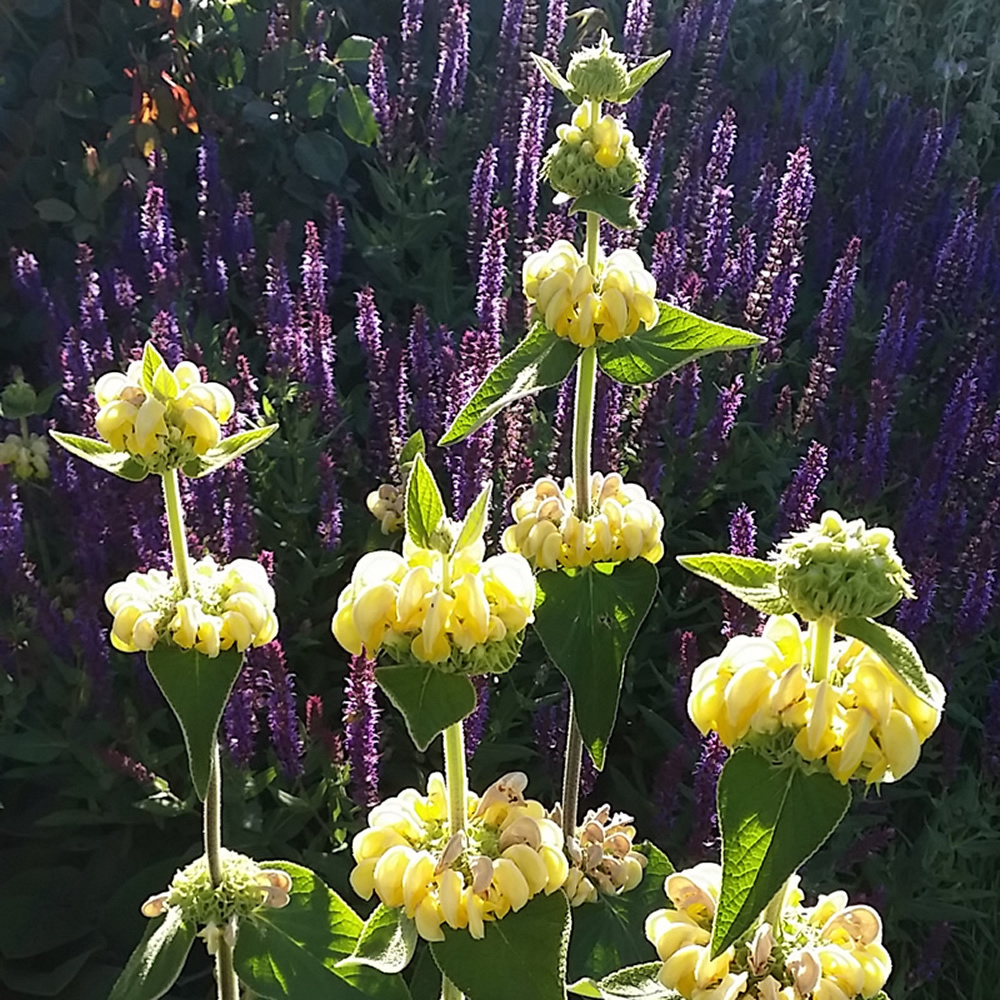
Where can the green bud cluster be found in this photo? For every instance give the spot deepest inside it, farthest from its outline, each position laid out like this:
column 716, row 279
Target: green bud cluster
column 841, row 569
column 18, row 399
column 239, row 894
column 598, row 73
column 572, row 170
column 495, row 657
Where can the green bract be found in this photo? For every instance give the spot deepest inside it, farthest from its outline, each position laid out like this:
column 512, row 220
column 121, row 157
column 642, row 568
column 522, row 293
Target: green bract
column 239, row 894
column 837, row 569
column 572, row 169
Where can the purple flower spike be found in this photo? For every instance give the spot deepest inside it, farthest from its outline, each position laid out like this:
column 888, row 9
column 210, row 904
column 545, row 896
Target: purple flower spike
column 384, row 439
column 452, row 69
column 738, row 617
column 481, row 192
column 475, row 725
column 705, row 830
column 798, row 502
column 378, row 93
column 490, row 301
column 282, row 719
column 330, row 506
column 361, row 730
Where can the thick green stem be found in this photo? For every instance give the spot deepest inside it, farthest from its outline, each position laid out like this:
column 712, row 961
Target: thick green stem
column 23, row 424
column 458, row 783
column 225, row 972
column 175, row 523
column 821, row 634
column 583, row 434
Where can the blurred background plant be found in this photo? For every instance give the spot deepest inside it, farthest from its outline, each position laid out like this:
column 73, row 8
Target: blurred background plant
column 328, row 205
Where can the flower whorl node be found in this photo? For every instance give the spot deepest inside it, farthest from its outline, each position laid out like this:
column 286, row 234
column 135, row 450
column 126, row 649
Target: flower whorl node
column 598, row 73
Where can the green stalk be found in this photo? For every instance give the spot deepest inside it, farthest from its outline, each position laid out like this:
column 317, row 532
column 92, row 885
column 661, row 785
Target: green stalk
column 821, row 633
column 175, row 523
column 583, row 433
column 772, row 915
column 458, row 783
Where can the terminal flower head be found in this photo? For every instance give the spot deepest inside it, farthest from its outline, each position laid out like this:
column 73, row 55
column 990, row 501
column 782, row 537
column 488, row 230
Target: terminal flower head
column 622, row 524
column 386, row 505
column 598, row 73
column 841, row 569
column 861, row 721
column 160, row 416
column 509, row 852
column 574, row 302
column 225, row 606
column 830, row 951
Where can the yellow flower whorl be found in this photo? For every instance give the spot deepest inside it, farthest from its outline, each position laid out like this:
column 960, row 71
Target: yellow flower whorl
column 830, row 951
column 623, row 524
column 862, row 720
column 509, row 852
column 461, row 611
column 180, row 419
column 28, row 457
column 601, row 857
column 575, row 302
column 226, row 606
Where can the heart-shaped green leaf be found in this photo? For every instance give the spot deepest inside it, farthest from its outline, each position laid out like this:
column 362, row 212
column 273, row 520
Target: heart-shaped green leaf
column 772, row 820
column 678, row 337
column 587, row 622
column 158, row 960
column 197, row 688
column 522, row 955
column 293, row 953
column 430, row 701
column 899, row 654
column 387, row 942
column 753, row 581
column 541, row 360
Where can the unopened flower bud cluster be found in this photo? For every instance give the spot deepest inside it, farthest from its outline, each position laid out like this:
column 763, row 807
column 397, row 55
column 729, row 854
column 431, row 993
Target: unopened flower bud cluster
column 601, row 857
column 860, row 721
column 27, row 456
column 509, row 852
column 830, row 951
column 459, row 611
column 387, row 505
column 244, row 889
column 582, row 306
column 164, row 422
column 594, row 154
column 623, row 524
column 226, row 606
column 841, row 569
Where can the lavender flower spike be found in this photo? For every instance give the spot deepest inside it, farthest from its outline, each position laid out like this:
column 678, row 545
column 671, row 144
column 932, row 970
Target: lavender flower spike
column 361, row 728
column 799, row 500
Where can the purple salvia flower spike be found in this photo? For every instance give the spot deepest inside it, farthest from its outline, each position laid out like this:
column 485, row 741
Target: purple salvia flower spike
column 798, row 503
column 361, row 731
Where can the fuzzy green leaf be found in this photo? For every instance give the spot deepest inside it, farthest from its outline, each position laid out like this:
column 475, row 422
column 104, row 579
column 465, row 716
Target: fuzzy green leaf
column 231, row 448
column 753, row 581
column 641, row 75
column 587, row 622
column 430, row 701
column 772, row 819
column 354, row 113
column 415, row 445
column 678, row 337
column 294, row 953
column 475, row 521
column 151, row 362
column 899, row 654
column 424, row 504
column 618, row 209
column 637, row 982
column 523, row 955
column 541, row 360
column 387, row 941
column 158, row 960
column 551, row 73
column 196, row 688
column 102, row 455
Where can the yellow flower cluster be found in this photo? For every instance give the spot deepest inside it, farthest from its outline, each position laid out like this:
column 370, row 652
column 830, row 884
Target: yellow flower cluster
column 575, row 302
column 509, row 852
column 608, row 140
column 166, row 421
column 433, row 605
column 28, row 456
column 862, row 720
column 830, row 951
column 623, row 524
column 225, row 606
column 601, row 856
column 386, row 505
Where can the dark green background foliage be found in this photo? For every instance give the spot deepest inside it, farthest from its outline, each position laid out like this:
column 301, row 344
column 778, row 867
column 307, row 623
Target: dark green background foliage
column 81, row 843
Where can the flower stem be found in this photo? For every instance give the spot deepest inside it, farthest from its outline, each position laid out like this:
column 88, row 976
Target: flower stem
column 821, row 634
column 457, row 781
column 225, row 972
column 175, row 524
column 583, row 434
